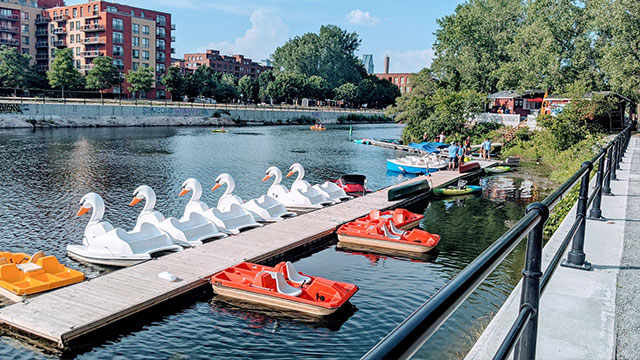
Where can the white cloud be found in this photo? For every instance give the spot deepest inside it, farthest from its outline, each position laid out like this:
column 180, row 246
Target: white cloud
column 406, row 61
column 359, row 17
column 267, row 32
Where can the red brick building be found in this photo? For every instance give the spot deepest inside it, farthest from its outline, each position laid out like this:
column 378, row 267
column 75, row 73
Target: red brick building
column 237, row 65
column 131, row 36
column 401, row 80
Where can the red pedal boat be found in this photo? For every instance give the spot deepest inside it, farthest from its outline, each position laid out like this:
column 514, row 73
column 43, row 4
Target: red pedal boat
column 353, row 185
column 385, row 235
column 402, row 219
column 282, row 287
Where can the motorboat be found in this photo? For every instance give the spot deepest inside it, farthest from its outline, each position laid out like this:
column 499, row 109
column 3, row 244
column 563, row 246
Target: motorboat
column 293, row 200
column 402, row 218
column 231, row 221
column 190, row 231
column 353, row 184
column 417, row 164
column 264, row 209
column 282, row 287
column 387, row 236
column 105, row 245
column 23, row 275
column 329, row 190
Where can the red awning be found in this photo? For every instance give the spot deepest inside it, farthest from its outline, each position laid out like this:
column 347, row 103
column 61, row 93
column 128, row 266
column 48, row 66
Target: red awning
column 535, row 100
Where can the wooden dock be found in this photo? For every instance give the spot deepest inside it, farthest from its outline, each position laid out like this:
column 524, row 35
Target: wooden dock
column 79, row 310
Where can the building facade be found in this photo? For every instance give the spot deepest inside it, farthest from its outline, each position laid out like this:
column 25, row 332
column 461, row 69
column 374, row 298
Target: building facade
column 237, row 65
column 367, row 61
column 401, row 80
column 131, row 36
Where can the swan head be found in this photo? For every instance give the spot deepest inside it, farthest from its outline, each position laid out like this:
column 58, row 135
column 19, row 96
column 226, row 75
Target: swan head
column 273, row 171
column 190, row 184
column 295, row 168
column 223, row 179
column 141, row 193
column 90, row 201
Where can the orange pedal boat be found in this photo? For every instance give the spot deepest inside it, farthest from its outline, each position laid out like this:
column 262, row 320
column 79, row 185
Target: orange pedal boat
column 282, row 287
column 387, row 236
column 402, row 219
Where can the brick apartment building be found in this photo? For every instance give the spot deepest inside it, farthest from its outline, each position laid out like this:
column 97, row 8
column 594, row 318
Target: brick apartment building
column 401, row 80
column 132, row 37
column 237, row 65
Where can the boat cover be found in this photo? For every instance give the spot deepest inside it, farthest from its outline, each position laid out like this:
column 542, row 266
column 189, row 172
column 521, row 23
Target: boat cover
column 430, row 147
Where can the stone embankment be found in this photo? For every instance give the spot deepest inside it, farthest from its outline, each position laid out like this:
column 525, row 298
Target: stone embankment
column 27, row 115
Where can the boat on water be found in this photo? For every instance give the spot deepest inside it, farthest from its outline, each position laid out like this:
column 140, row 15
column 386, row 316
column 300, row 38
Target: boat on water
column 362, row 141
column 457, row 191
column 317, row 127
column 23, row 275
column 497, row 169
column 294, row 199
column 402, row 219
column 329, row 190
column 353, row 184
column 387, row 236
column 282, row 287
column 215, row 131
column 416, row 164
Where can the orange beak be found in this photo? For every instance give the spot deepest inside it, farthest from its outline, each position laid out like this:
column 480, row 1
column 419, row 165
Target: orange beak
column 291, row 173
column 266, row 177
column 183, row 192
column 134, row 201
column 83, row 210
column 215, row 187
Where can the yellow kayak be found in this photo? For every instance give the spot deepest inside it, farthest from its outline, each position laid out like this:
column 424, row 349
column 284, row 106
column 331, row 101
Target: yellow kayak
column 219, row 131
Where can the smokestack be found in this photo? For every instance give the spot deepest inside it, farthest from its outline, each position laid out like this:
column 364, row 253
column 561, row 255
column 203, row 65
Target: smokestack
column 386, row 64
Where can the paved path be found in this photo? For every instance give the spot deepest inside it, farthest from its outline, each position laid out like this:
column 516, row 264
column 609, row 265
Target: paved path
column 578, row 309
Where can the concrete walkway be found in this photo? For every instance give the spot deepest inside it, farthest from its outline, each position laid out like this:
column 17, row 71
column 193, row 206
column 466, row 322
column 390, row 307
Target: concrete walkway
column 578, row 308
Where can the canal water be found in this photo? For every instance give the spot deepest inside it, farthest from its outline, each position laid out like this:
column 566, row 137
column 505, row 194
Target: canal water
column 45, row 173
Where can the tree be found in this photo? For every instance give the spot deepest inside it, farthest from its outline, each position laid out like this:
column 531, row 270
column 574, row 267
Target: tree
column 318, row 88
column 104, row 75
column 226, row 90
column 174, row 82
column 248, row 88
column 139, row 80
column 14, row 68
column 329, row 54
column 347, row 92
column 62, row 73
column 264, row 79
column 286, row 86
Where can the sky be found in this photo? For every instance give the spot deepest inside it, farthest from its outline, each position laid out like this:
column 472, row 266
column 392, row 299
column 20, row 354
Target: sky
column 402, row 29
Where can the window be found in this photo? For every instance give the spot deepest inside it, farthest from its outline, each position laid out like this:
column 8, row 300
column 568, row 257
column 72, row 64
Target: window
column 55, row 13
column 145, row 29
column 95, row 9
column 25, row 16
column 141, row 13
column 133, row 12
column 135, row 41
column 160, row 19
column 77, row 51
column 71, row 26
column 161, row 32
column 118, row 50
column 135, row 66
column 160, row 44
column 145, row 42
column 25, row 28
column 81, row 12
column 25, row 41
column 75, row 12
column 135, row 28
column 145, row 65
column 118, row 38
column 135, row 54
column 118, row 24
column 77, row 64
column 25, row 51
column 77, row 24
column 72, row 38
column 145, row 55
column 402, row 80
column 66, row 12
column 111, row 9
column 119, row 63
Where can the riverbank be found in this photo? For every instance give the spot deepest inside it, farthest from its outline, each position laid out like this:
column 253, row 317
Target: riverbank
column 33, row 115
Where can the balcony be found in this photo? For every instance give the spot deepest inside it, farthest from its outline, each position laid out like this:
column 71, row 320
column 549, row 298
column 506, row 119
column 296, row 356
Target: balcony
column 59, row 43
column 173, row 26
column 92, row 27
column 44, row 56
column 61, row 18
column 161, row 47
column 118, row 53
column 91, row 54
column 42, row 67
column 173, row 39
column 173, row 50
column 87, row 67
column 12, row 42
column 42, row 44
column 94, row 41
column 59, row 31
column 8, row 29
column 9, row 17
column 42, row 32
column 41, row 20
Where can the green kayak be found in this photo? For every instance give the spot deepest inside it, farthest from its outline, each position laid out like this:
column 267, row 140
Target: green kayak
column 497, row 169
column 469, row 189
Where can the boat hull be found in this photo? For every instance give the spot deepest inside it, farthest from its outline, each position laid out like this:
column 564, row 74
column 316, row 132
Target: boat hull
column 409, row 169
column 119, row 262
column 383, row 244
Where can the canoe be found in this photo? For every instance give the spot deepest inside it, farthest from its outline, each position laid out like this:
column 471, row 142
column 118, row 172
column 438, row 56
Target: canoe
column 387, row 236
column 219, row 131
column 497, row 169
column 402, row 219
column 282, row 287
column 468, row 189
column 24, row 275
column 408, row 190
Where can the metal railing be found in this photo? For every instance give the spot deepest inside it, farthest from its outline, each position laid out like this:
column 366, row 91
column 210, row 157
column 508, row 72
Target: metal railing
column 408, row 337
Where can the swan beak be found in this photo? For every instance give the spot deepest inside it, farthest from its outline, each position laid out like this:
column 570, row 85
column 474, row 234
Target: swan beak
column 217, row 185
column 266, row 177
column 291, row 173
column 134, row 201
column 83, row 210
column 183, row 192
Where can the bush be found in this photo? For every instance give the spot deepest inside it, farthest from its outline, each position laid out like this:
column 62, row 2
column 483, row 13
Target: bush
column 350, row 118
column 523, row 134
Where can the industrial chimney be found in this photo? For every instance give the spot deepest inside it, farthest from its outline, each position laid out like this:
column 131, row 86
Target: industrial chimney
column 386, row 64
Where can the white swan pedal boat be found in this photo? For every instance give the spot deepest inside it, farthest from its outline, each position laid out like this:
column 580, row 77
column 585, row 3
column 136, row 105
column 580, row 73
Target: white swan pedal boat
column 329, row 190
column 294, row 200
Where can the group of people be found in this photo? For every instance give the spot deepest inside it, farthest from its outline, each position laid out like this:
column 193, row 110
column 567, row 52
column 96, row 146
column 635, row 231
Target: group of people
column 458, row 151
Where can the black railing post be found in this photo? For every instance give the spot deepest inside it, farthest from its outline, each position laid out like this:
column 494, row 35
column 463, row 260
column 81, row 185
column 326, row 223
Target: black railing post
column 596, row 213
column 606, row 187
column 576, row 257
column 614, row 160
column 530, row 295
column 620, row 152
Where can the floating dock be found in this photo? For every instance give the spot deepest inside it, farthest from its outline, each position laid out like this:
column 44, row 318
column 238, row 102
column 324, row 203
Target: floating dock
column 389, row 145
column 64, row 315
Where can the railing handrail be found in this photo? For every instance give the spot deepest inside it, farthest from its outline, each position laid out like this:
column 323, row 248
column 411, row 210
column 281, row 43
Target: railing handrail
column 411, row 334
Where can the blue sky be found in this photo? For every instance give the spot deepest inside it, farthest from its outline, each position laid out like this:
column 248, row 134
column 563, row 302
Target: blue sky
column 403, row 29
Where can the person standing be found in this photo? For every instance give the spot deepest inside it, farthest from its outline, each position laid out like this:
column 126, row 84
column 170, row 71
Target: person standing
column 425, row 136
column 453, row 150
column 467, row 145
column 486, row 149
column 441, row 137
column 462, row 151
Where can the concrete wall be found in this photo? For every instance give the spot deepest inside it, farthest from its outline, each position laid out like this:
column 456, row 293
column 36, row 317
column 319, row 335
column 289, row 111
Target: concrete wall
column 14, row 115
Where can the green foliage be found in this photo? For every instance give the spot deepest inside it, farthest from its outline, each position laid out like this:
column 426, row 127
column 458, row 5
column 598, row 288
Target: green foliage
column 226, row 89
column 346, row 92
column 318, row 88
column 359, row 118
column 103, row 75
column 62, row 73
column 523, row 134
column 329, row 54
column 263, row 81
column 248, row 88
column 139, row 80
column 14, row 67
column 286, row 86
column 376, row 92
column 174, row 82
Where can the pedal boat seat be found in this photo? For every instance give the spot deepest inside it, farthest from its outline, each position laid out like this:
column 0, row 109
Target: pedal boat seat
column 294, row 276
column 282, row 286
